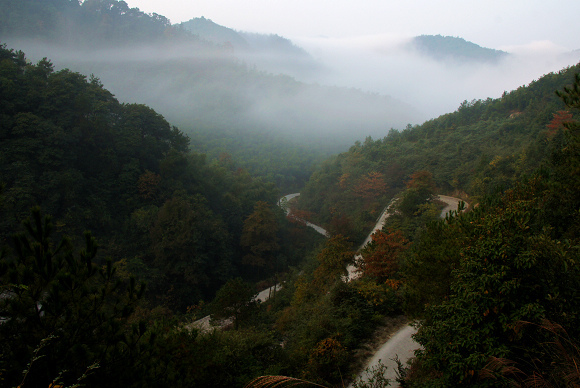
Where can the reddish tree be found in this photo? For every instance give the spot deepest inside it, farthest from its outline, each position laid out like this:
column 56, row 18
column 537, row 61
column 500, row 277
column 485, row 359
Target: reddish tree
column 340, row 225
column 560, row 118
column 421, row 180
column 343, row 181
column 381, row 255
column 300, row 215
column 371, row 186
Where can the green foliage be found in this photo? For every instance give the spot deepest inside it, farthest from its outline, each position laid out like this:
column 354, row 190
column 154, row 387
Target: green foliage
column 375, row 378
column 517, row 265
column 236, row 300
column 327, row 318
column 191, row 250
column 483, row 145
column 122, row 171
column 429, row 263
column 259, row 238
column 77, row 310
column 511, row 270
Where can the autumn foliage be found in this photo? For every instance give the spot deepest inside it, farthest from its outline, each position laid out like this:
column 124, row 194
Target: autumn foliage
column 381, row 256
column 371, row 186
column 422, row 180
column 561, row 117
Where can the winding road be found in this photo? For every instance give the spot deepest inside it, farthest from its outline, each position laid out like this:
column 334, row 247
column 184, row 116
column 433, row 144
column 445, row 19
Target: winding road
column 401, row 344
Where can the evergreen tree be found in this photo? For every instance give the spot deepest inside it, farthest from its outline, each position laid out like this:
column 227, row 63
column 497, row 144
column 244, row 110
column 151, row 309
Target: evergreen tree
column 74, row 312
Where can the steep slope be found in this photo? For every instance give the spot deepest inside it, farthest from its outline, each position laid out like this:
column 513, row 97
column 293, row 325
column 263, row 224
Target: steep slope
column 226, row 106
column 483, row 145
column 122, row 171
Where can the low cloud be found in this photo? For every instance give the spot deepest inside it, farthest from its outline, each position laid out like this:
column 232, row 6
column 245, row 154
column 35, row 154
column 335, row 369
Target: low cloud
column 386, row 64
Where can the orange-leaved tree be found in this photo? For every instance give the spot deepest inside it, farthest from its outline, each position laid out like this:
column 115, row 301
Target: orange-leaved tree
column 371, row 186
column 560, row 118
column 381, row 256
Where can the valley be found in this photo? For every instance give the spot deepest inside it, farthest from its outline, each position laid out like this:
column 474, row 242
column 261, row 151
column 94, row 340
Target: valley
column 144, row 167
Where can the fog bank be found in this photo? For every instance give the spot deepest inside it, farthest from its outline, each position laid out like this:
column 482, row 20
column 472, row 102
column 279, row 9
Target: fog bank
column 386, row 64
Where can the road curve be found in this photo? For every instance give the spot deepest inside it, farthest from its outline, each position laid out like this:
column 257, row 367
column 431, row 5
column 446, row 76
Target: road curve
column 283, row 203
column 402, row 345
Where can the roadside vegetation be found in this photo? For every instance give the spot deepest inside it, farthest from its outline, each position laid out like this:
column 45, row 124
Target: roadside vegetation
column 175, row 235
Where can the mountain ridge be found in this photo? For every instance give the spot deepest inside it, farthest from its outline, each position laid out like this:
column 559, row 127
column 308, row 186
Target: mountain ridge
column 446, row 48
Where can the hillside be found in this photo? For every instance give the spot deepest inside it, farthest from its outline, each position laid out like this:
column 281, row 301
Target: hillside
column 483, row 145
column 210, row 31
column 495, row 285
column 270, row 124
column 118, row 229
column 123, row 172
column 448, row 48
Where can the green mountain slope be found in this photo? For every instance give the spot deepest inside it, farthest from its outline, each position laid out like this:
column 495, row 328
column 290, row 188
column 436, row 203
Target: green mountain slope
column 482, row 145
column 123, row 172
column 263, row 121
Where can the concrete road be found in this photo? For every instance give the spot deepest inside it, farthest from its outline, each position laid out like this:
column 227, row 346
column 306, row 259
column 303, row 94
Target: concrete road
column 452, row 204
column 400, row 345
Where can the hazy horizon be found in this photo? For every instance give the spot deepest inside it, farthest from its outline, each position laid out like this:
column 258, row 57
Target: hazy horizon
column 360, row 45
column 494, row 23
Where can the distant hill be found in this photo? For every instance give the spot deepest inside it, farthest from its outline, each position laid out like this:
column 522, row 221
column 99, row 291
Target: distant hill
column 449, row 48
column 483, row 145
column 208, row 30
column 269, row 52
column 241, row 104
column 212, row 32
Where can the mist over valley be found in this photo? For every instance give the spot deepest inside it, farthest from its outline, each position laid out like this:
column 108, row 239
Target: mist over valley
column 324, row 92
column 144, row 167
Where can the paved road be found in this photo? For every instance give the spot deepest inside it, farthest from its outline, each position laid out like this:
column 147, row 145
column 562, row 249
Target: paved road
column 452, row 204
column 204, row 325
column 284, row 204
column 402, row 345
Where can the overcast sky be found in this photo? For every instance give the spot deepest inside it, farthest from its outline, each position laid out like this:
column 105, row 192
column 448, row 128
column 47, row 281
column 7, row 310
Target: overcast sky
column 498, row 24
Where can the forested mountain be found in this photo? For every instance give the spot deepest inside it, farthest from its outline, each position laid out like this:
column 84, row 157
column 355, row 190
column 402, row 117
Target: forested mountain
column 208, row 30
column 121, row 171
column 483, row 145
column 239, row 40
column 449, row 48
column 71, row 312
column 494, row 290
column 263, row 121
column 272, row 53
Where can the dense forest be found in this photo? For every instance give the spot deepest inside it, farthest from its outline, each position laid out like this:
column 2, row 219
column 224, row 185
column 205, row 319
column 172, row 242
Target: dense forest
column 119, row 229
column 160, row 213
column 494, row 291
column 270, row 123
column 484, row 145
